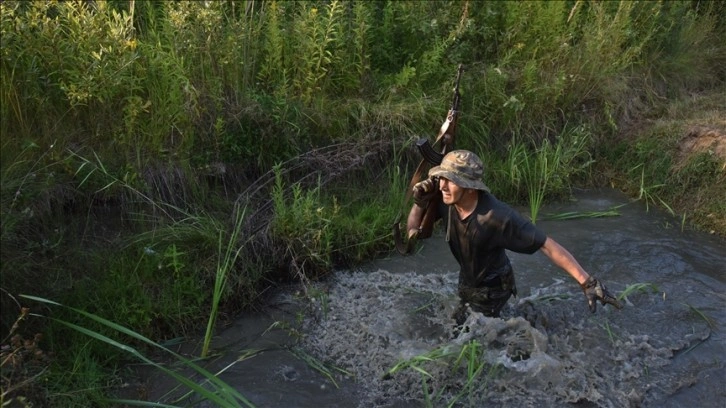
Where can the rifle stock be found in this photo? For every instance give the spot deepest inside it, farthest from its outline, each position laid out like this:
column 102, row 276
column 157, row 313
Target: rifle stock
column 445, row 137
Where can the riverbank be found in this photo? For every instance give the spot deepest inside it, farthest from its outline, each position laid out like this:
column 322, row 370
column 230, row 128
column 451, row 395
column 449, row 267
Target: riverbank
column 674, row 158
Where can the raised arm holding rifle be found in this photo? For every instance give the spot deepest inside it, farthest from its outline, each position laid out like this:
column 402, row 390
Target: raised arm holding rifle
column 445, row 139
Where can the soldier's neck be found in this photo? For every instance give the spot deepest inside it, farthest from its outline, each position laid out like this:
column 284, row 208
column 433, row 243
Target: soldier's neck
column 467, row 203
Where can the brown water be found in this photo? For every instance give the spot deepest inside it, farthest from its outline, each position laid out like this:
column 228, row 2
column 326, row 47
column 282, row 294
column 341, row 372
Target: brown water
column 665, row 348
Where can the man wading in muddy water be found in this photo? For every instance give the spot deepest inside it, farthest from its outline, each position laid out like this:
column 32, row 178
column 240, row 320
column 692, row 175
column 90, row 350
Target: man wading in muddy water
column 479, row 228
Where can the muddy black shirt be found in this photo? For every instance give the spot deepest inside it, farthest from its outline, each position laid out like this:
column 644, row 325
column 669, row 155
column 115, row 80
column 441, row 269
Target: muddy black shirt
column 479, row 241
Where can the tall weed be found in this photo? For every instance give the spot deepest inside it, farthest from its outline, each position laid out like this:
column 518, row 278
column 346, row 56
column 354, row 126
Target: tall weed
column 304, row 226
column 535, row 173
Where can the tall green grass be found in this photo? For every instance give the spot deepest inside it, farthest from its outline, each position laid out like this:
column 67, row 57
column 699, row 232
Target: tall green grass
column 531, row 174
column 227, row 256
column 179, row 70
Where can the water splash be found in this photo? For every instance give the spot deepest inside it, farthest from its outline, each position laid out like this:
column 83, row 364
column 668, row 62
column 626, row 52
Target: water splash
column 546, row 349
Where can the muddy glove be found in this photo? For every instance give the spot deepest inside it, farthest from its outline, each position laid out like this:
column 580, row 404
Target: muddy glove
column 424, row 191
column 594, row 291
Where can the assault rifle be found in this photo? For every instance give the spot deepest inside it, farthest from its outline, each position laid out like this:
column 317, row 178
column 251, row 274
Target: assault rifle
column 431, row 157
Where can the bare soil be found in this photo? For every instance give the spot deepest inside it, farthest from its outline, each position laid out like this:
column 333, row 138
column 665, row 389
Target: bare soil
column 703, row 139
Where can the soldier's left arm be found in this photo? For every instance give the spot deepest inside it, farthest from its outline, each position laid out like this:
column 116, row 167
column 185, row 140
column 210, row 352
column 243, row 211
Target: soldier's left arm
column 593, row 289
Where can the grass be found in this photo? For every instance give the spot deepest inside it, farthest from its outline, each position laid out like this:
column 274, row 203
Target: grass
column 637, row 288
column 611, row 334
column 466, row 360
column 471, row 356
column 541, row 172
column 227, row 258
column 317, row 365
column 244, row 355
column 415, row 363
column 574, row 215
column 648, row 193
column 709, row 321
column 221, row 395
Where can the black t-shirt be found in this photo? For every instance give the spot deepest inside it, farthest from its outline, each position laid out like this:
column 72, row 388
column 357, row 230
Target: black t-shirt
column 478, row 242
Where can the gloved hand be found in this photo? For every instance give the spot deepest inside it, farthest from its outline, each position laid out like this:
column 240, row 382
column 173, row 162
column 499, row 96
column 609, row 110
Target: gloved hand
column 424, row 191
column 594, row 291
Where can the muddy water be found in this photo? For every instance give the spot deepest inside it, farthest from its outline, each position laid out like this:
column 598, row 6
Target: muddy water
column 665, row 348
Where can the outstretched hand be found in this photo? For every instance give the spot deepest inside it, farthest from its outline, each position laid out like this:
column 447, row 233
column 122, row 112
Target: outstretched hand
column 594, row 291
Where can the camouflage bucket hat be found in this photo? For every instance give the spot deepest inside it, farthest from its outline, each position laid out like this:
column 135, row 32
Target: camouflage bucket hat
column 463, row 168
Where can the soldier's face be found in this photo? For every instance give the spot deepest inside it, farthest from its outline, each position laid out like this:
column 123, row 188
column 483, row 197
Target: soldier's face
column 450, row 192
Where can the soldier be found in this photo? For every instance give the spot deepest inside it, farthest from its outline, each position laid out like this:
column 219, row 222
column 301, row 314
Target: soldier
column 479, row 228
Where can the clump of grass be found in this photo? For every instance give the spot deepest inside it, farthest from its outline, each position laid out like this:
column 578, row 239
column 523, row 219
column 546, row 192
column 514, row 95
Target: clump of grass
column 468, row 360
column 648, row 193
column 548, row 170
column 611, row 334
column 415, row 363
column 471, row 356
column 637, row 288
column 304, row 224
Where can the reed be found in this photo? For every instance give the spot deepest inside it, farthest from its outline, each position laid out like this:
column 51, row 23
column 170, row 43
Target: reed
column 543, row 172
column 227, row 256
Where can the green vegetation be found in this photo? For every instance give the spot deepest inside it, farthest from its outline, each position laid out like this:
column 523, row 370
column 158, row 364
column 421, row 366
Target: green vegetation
column 163, row 163
column 221, row 395
column 637, row 288
column 467, row 360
